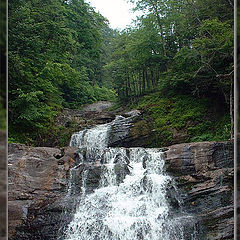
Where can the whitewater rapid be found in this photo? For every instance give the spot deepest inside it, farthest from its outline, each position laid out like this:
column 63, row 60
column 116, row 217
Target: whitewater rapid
column 130, row 201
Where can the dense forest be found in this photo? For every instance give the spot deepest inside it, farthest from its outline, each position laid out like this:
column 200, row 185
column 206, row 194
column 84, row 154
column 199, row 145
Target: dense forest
column 175, row 63
column 57, row 52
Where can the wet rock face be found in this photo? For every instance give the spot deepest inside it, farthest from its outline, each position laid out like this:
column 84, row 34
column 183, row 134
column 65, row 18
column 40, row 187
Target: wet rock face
column 37, row 185
column 41, row 201
column 90, row 170
column 204, row 175
column 120, row 134
column 39, row 178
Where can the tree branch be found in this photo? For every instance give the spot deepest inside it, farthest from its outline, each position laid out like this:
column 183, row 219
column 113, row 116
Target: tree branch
column 197, row 16
column 225, row 75
column 231, row 4
column 204, row 65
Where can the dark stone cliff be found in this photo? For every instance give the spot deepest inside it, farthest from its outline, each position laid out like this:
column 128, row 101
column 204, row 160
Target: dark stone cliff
column 38, row 184
column 204, row 175
column 36, row 188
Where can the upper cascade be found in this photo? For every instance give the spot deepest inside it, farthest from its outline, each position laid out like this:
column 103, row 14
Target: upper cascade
column 95, row 137
column 101, row 136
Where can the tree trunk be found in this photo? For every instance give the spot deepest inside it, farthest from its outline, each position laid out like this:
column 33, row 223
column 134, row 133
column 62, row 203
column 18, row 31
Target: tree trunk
column 140, row 83
column 147, row 79
column 134, row 84
column 143, row 81
column 128, row 85
column 152, row 78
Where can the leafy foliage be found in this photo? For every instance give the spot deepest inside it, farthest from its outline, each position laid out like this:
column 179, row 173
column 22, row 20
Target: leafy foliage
column 55, row 52
column 178, row 47
column 63, row 54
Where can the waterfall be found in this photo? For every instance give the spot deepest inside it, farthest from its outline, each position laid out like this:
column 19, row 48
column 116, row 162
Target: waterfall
column 123, row 191
column 95, row 137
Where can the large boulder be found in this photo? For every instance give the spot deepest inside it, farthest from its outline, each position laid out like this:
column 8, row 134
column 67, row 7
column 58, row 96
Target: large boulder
column 37, row 185
column 204, row 175
column 122, row 132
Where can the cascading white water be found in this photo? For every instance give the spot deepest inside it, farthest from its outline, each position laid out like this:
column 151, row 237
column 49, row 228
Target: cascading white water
column 130, row 201
column 95, row 137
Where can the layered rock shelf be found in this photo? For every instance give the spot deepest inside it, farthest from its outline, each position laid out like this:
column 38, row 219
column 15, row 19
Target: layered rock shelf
column 204, row 173
column 38, row 180
column 38, row 183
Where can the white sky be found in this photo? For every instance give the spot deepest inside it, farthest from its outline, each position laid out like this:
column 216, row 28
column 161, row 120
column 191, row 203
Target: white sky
column 118, row 12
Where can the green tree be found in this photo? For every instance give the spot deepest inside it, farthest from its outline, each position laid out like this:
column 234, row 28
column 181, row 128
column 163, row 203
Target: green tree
column 55, row 50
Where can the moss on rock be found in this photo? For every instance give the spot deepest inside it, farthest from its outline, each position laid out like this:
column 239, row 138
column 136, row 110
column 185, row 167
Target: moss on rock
column 181, row 118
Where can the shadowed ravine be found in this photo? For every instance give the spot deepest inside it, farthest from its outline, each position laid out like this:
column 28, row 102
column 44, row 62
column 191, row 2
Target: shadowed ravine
column 130, row 199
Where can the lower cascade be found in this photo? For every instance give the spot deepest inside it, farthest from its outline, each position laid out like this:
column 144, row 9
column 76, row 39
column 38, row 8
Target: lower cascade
column 128, row 196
